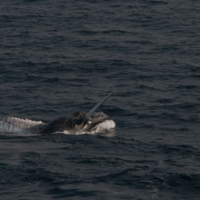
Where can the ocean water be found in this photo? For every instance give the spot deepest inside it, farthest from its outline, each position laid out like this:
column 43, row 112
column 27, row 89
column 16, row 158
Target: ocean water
column 57, row 57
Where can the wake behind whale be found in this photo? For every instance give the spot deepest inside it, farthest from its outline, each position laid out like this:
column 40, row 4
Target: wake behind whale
column 76, row 123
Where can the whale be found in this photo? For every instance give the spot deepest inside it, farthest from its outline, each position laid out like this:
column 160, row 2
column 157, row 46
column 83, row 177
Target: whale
column 77, row 122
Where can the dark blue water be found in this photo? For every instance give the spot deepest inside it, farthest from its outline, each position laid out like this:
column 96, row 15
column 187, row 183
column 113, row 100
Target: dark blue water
column 62, row 56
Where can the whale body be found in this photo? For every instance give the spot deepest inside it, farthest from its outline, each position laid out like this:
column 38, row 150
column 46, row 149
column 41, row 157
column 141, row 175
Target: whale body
column 77, row 122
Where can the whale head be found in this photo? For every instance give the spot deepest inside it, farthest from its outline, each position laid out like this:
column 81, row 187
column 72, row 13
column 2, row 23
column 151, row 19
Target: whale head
column 75, row 123
column 78, row 121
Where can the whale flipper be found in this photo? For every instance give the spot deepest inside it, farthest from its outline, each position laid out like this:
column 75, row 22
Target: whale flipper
column 95, row 107
column 25, row 124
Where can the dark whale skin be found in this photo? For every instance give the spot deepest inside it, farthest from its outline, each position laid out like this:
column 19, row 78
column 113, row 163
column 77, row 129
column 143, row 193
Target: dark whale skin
column 74, row 123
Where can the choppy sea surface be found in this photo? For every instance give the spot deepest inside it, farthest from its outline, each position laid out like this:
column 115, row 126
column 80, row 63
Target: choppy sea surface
column 58, row 57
